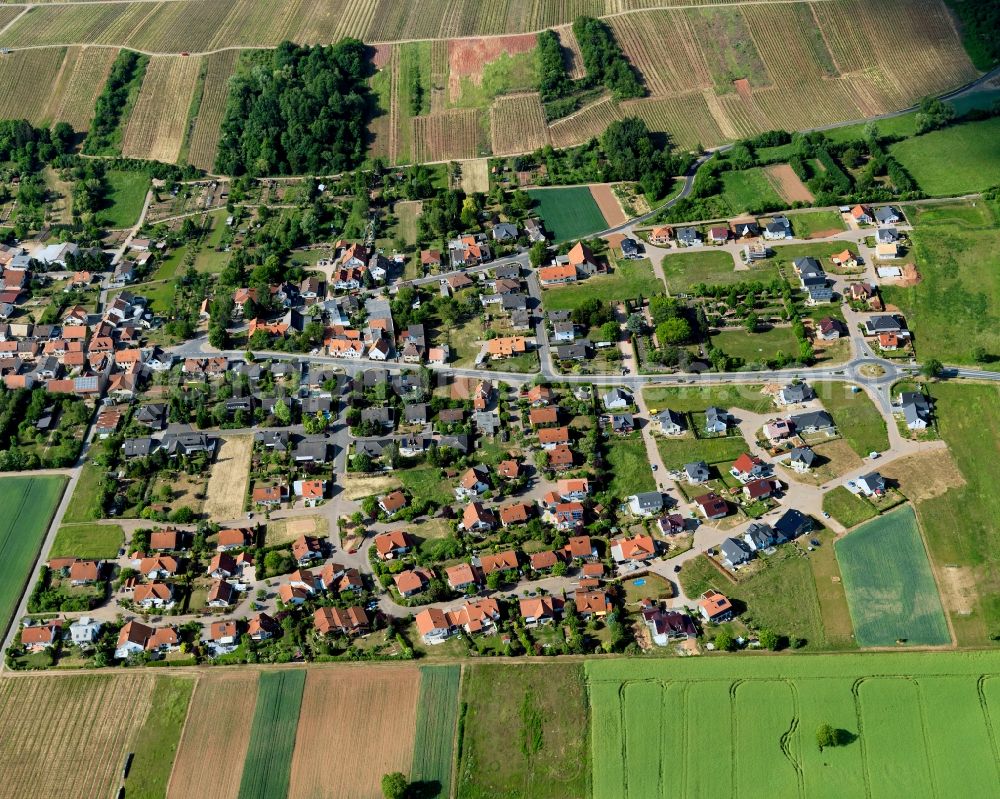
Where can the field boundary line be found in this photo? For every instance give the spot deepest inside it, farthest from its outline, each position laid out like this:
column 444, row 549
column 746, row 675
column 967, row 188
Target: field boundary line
column 928, row 759
column 187, row 717
column 934, row 574
column 856, row 693
column 985, row 707
column 453, row 791
column 24, row 11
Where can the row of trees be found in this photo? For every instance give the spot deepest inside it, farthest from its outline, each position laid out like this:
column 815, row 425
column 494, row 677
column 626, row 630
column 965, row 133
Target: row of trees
column 604, row 61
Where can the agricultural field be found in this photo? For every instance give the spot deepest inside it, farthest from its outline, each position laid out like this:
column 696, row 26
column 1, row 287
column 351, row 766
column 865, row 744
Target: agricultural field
column 22, row 72
column 847, row 508
column 957, row 160
column 273, row 734
column 687, row 269
column 373, row 724
column 156, row 742
column 126, row 198
column 481, row 69
column 952, row 310
column 685, row 118
column 756, row 347
column 158, row 122
column 585, row 124
column 681, row 718
column 227, row 484
column 569, row 213
column 30, row 503
column 204, row 128
column 629, row 464
column 517, row 124
column 960, row 521
column 891, row 599
column 858, row 421
column 449, row 136
column 524, row 731
column 82, row 77
column 210, row 756
column 436, row 729
column 96, row 541
column 630, row 279
column 67, row 736
column 788, row 184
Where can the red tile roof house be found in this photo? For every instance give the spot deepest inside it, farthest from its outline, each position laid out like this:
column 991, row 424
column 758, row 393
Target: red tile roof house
column 501, row 562
column 714, row 606
column 551, row 437
column 222, row 594
column 759, row 489
column 306, row 549
column 474, row 482
column 561, row 458
column 222, row 636
column 580, row 546
column 592, row 603
column 349, row 621
column 569, row 515
column 712, row 505
column 412, row 581
column 573, row 489
column 479, row 616
column 515, row 513
column 542, row 561
column 392, row 503
column 40, row 636
column 435, row 626
column 462, row 576
column 155, row 568
column 268, row 495
column 540, row 610
column 233, row 539
column 137, row 637
column 540, row 395
column 748, row 467
column 222, row 566
column 83, row 572
column 639, row 548
column 154, row 595
column 392, row 545
column 262, row 627
column 544, row 417
column 168, row 540
column 478, row 518
column 509, row 469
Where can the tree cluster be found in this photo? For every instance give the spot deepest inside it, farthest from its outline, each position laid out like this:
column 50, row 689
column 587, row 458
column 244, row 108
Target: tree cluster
column 603, row 59
column 125, row 76
column 297, row 110
column 553, row 79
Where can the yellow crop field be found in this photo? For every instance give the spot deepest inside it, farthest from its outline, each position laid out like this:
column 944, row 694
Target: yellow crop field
column 156, row 127
column 205, row 136
column 584, row 124
column 67, row 736
column 517, row 124
column 24, row 76
column 83, row 76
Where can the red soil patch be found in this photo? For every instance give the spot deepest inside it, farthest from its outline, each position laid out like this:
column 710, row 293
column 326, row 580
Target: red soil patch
column 466, row 57
column 742, row 86
column 382, row 53
column 823, row 234
column 609, row 205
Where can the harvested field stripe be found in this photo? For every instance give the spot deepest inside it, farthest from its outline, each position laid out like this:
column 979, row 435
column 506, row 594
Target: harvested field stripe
column 155, row 745
column 437, row 720
column 643, row 721
column 272, row 737
column 227, row 484
column 606, row 725
column 158, row 121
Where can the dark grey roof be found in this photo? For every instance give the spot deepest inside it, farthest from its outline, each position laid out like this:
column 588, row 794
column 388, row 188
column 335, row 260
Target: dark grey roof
column 138, row 447
column 649, row 500
column 416, row 413
column 816, row 420
column 792, row 524
column 459, row 442
column 735, row 551
column 383, row 416
column 803, row 455
column 316, row 450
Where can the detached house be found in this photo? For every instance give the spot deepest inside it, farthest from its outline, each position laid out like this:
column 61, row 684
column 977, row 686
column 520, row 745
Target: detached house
column 477, row 518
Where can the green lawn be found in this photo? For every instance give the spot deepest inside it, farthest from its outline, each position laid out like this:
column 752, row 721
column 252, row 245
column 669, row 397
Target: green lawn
column 808, row 224
column 84, row 505
column 785, row 254
column 268, row 762
column 524, row 732
column 437, row 718
column 675, row 452
column 961, row 524
column 630, row 279
column 156, row 743
column 426, row 483
column 698, row 398
column 890, row 587
column 29, row 504
column 954, row 308
column 858, row 421
column 629, row 464
column 711, row 267
column 569, row 213
column 88, row 541
column 126, row 198
column 757, row 346
column 956, row 160
column 847, row 508
column 750, row 190
column 896, row 127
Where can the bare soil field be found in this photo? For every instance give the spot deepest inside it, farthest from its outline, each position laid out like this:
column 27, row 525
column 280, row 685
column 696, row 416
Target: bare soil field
column 67, row 736
column 359, row 723
column 284, row 531
column 361, row 487
column 788, row 184
column 227, row 485
column 926, row 475
column 476, row 175
column 605, row 198
column 210, row 757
